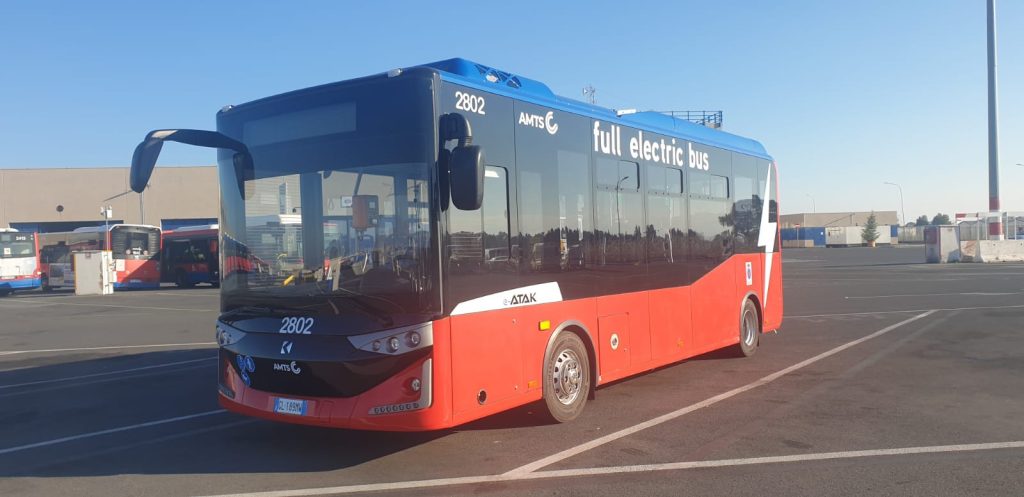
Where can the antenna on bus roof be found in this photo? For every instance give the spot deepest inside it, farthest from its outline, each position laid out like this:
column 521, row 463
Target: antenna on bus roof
column 589, row 93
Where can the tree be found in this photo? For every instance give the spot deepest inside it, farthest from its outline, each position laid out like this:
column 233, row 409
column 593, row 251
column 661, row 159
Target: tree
column 940, row 218
column 870, row 231
column 922, row 220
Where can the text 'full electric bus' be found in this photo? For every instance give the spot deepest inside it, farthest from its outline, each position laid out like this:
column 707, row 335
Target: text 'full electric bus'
column 135, row 249
column 19, row 261
column 463, row 241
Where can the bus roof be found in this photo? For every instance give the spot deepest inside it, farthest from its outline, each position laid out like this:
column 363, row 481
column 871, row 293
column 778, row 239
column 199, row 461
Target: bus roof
column 8, row 230
column 100, row 229
column 201, row 227
column 489, row 79
column 493, row 80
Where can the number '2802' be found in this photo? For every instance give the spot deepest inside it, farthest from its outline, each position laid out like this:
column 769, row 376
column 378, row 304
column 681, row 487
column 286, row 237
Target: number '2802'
column 300, row 326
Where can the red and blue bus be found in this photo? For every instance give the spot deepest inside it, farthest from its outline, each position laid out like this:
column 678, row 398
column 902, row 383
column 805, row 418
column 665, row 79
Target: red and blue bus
column 190, row 256
column 19, row 261
column 468, row 242
column 135, row 249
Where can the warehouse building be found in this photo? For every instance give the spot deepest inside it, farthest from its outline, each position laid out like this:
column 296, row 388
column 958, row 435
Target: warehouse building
column 62, row 199
column 827, row 219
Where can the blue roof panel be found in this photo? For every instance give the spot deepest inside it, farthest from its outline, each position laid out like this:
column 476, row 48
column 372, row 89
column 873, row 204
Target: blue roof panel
column 486, row 78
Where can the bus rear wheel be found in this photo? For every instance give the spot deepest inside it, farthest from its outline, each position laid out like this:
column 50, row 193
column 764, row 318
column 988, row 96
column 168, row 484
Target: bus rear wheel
column 566, row 378
column 750, row 330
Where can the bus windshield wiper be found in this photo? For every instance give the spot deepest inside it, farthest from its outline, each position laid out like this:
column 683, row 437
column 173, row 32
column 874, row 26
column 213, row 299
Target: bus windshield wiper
column 256, row 311
column 378, row 315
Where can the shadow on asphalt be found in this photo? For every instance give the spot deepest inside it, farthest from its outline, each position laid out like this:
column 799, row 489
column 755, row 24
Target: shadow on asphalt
column 222, row 443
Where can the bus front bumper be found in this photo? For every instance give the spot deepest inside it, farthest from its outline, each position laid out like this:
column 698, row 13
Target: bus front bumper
column 20, row 283
column 403, row 402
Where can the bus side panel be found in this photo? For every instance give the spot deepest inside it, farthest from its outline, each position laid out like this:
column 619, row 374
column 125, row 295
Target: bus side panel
column 501, row 352
column 671, row 333
column 749, row 280
column 487, row 352
column 773, row 308
column 716, row 308
column 623, row 335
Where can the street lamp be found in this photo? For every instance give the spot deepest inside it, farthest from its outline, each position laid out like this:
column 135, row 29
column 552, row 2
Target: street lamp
column 814, row 207
column 903, row 213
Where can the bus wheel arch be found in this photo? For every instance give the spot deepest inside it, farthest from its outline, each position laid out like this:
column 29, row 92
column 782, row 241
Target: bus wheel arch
column 750, row 332
column 569, row 340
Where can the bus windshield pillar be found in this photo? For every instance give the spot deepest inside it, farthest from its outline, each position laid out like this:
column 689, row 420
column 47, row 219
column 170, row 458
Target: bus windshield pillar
column 312, row 205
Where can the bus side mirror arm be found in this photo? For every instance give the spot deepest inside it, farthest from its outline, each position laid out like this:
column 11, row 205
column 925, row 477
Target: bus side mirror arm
column 147, row 152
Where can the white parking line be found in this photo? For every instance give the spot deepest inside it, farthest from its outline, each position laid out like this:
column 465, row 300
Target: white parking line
column 611, row 437
column 113, row 347
column 108, row 432
column 94, row 375
column 906, row 311
column 969, row 294
column 48, row 304
column 643, row 468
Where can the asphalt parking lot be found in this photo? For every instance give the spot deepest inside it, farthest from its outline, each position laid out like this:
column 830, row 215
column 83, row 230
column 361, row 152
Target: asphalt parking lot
column 889, row 377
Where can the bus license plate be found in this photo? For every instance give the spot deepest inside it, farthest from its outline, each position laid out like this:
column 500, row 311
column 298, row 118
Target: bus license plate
column 290, row 406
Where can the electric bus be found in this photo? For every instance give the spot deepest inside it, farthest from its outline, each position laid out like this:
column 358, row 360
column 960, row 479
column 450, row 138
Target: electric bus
column 470, row 242
column 19, row 261
column 190, row 256
column 135, row 249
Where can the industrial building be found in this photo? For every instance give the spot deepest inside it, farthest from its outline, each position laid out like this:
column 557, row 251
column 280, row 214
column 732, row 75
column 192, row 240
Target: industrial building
column 62, row 199
column 830, row 219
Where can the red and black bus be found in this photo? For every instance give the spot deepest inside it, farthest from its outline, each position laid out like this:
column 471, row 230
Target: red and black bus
column 190, row 256
column 468, row 242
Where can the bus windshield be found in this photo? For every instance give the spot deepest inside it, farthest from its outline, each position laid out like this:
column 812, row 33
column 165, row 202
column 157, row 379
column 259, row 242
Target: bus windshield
column 134, row 242
column 16, row 245
column 337, row 221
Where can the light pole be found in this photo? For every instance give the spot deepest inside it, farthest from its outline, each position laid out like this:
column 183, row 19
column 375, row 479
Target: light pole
column 814, row 207
column 618, row 210
column 903, row 213
column 995, row 217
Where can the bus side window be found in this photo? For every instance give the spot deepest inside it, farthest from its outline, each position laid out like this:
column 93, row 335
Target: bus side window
column 480, row 239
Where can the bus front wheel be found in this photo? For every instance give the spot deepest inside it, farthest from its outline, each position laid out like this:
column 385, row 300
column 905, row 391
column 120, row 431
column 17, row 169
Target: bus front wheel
column 750, row 329
column 566, row 378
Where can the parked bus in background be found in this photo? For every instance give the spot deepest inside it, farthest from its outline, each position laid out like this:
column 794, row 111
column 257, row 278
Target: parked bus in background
column 135, row 249
column 19, row 261
column 468, row 242
column 190, row 256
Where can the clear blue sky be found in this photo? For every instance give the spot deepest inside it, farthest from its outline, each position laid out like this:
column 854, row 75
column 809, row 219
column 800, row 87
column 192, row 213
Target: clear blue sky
column 845, row 95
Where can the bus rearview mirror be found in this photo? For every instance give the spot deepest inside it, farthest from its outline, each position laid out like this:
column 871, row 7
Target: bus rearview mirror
column 467, row 177
column 146, row 154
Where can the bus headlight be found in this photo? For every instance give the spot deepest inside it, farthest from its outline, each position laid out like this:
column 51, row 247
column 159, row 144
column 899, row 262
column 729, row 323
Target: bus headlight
column 395, row 341
column 228, row 336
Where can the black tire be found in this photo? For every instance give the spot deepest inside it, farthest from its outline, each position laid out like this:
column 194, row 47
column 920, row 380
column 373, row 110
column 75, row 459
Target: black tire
column 46, row 284
column 181, row 279
column 566, row 378
column 750, row 330
column 4, row 293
